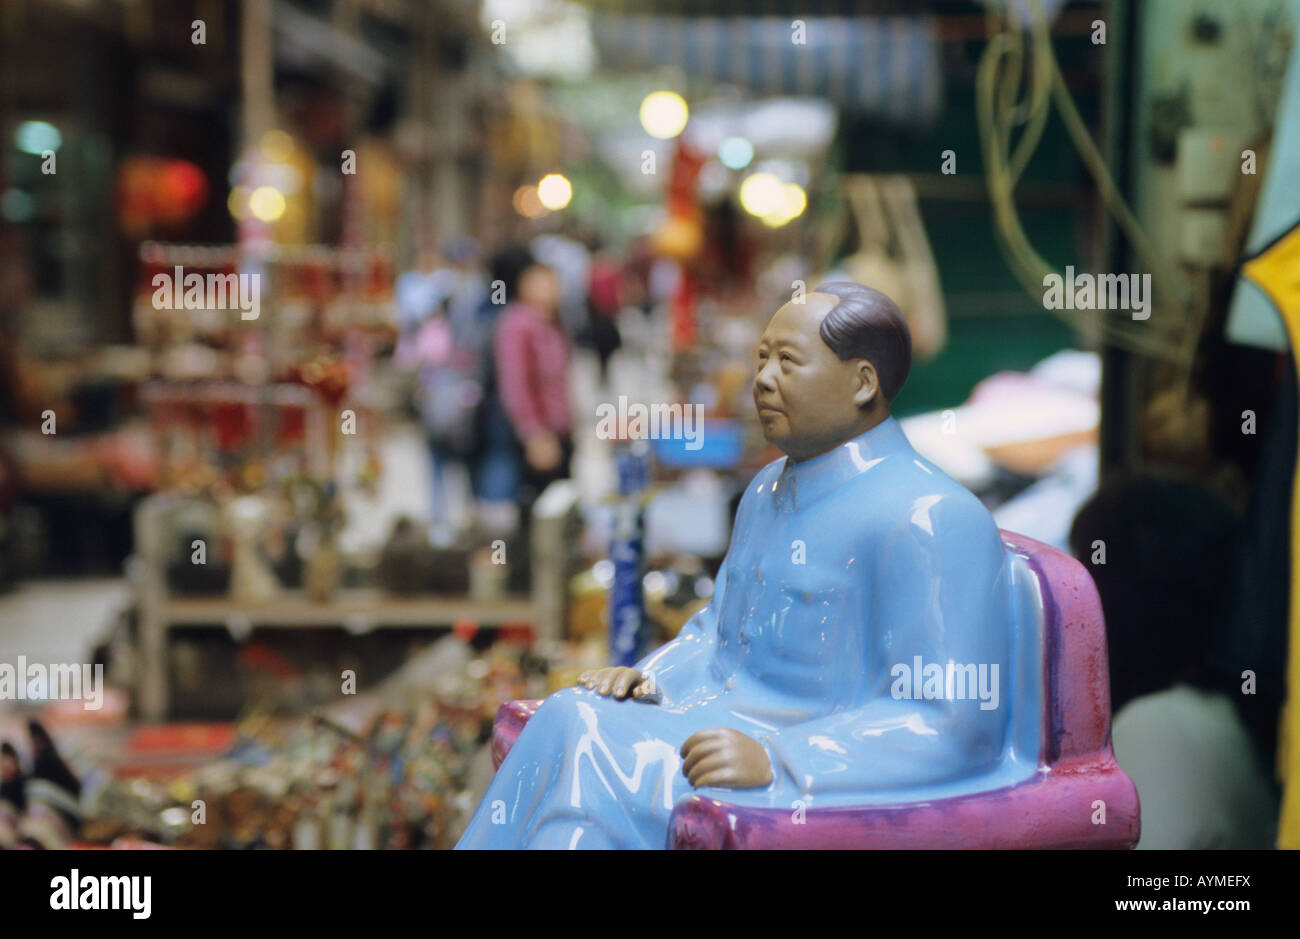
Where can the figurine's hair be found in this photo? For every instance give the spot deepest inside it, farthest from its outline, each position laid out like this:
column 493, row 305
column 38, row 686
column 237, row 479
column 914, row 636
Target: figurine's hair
column 866, row 324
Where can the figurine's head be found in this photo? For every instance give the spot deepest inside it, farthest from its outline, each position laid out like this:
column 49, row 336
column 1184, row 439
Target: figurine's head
column 829, row 366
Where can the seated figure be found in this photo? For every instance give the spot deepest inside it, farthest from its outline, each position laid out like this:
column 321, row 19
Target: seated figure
column 860, row 645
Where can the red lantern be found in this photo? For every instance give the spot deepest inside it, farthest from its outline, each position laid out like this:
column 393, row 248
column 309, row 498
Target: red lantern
column 152, row 191
column 182, row 191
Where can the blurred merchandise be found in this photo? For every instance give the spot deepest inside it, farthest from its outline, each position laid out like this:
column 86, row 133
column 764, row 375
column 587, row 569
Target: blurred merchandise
column 385, row 769
column 894, row 256
column 251, row 578
column 628, row 635
column 406, row 565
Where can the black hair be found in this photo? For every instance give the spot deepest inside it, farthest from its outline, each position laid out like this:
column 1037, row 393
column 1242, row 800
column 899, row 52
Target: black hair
column 866, row 324
column 508, row 265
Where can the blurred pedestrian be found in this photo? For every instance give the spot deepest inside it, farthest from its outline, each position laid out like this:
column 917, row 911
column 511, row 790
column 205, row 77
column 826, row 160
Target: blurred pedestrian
column 1180, row 728
column 496, row 469
column 448, row 346
column 604, row 303
column 533, row 353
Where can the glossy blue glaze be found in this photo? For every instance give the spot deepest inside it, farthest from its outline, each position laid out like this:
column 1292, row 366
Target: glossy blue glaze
column 842, row 569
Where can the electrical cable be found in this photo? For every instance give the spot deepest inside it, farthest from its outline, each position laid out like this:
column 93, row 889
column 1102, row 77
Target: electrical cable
column 998, row 83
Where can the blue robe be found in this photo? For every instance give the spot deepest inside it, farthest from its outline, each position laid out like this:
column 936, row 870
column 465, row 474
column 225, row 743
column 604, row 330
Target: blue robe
column 862, row 593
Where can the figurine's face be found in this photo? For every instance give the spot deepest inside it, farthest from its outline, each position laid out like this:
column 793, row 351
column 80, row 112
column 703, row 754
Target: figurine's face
column 808, row 400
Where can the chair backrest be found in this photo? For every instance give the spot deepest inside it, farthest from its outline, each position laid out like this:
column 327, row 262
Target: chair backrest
column 1027, row 673
column 1075, row 679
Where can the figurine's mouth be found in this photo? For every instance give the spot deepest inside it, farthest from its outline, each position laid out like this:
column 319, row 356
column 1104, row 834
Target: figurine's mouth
column 770, row 409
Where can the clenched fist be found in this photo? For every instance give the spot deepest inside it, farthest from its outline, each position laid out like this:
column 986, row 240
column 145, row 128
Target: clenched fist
column 618, row 681
column 725, row 757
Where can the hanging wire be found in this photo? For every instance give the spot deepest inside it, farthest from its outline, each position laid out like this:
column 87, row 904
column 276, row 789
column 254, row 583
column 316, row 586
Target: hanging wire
column 999, row 82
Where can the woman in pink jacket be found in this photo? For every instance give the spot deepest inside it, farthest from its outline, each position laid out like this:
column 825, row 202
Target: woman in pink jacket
column 532, row 358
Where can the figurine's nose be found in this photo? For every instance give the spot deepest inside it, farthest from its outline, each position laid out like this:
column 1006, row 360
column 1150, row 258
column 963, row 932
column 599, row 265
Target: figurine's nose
column 763, row 380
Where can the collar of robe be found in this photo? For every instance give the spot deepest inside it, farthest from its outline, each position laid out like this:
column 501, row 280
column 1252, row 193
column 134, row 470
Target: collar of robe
column 800, row 483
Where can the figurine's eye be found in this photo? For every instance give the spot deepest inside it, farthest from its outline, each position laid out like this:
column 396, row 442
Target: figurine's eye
column 786, row 357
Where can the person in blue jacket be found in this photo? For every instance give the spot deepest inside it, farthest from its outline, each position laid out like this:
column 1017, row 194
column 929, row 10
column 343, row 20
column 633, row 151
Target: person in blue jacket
column 858, row 646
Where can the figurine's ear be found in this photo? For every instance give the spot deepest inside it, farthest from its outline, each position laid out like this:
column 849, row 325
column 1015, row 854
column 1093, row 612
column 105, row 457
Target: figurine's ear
column 868, row 384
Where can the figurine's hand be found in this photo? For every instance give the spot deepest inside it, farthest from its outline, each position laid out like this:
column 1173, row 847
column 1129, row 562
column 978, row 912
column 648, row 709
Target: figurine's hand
column 725, row 757
column 616, row 680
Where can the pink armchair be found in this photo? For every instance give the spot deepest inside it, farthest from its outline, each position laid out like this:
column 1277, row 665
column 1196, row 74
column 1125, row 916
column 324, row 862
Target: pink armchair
column 1081, row 798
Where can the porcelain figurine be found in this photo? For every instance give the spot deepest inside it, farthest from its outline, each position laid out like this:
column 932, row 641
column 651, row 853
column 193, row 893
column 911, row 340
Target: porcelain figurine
column 858, row 647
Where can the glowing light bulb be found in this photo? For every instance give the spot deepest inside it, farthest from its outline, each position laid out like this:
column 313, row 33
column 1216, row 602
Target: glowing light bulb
column 736, row 153
column 554, row 191
column 762, row 194
column 266, row 203
column 37, row 136
column 527, row 202
column 793, row 201
column 664, row 114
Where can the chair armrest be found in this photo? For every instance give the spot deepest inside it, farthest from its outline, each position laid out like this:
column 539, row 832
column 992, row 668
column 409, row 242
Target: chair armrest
column 510, row 720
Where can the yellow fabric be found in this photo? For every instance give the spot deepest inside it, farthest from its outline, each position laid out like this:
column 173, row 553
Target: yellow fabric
column 1276, row 271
